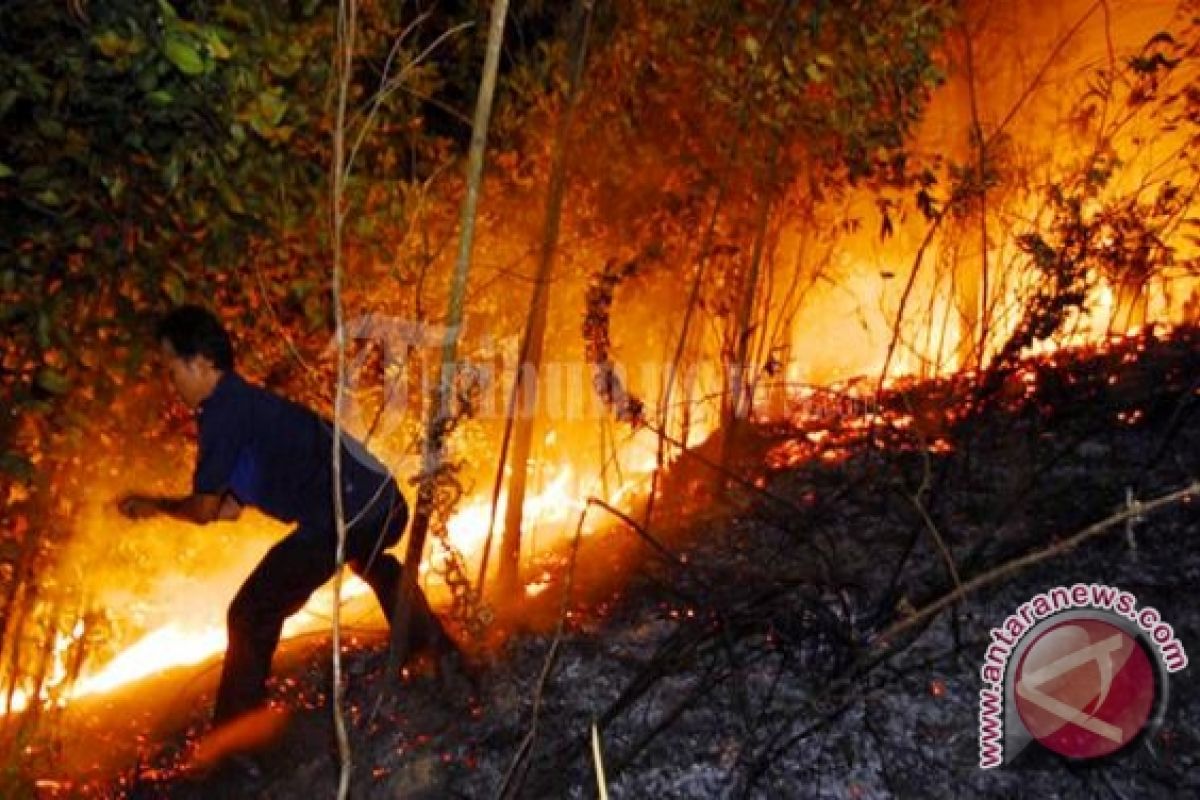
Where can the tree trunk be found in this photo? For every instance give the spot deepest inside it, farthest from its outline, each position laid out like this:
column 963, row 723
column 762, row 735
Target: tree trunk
column 522, row 410
column 737, row 405
column 344, row 64
column 440, row 409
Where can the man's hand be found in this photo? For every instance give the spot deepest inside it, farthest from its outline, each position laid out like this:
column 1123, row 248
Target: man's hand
column 138, row 506
column 230, row 509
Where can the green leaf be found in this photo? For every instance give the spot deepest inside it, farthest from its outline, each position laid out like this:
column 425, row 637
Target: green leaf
column 115, row 186
column 49, row 197
column 216, row 47
column 50, row 128
column 147, row 81
column 233, row 15
column 174, row 289
column 114, row 46
column 184, row 56
column 271, row 107
column 287, row 63
column 5, row 170
column 35, row 176
column 110, row 44
column 301, row 288
column 172, row 172
column 43, row 329
column 281, row 134
column 230, row 199
column 52, row 381
column 161, row 98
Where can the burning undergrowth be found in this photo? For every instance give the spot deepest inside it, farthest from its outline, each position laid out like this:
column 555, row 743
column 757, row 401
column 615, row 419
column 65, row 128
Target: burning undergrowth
column 733, row 648
column 719, row 647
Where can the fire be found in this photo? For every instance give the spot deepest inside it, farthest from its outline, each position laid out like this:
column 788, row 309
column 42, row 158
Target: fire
column 555, row 505
column 954, row 322
column 161, row 649
column 551, row 513
column 170, row 646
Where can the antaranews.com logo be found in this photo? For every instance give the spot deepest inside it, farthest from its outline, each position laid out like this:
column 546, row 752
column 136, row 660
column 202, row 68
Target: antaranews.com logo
column 1081, row 670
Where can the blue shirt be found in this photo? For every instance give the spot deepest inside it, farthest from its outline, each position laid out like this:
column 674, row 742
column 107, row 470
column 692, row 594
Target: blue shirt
column 276, row 455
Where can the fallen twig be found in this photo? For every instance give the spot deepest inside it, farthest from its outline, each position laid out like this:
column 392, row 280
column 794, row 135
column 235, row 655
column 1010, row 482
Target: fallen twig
column 1030, row 559
column 598, row 760
column 645, row 535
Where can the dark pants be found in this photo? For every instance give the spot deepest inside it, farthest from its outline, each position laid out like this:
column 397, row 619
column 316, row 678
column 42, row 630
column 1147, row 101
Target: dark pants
column 284, row 580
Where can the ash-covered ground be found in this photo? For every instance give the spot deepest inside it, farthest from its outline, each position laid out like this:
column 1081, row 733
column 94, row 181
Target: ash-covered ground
column 734, row 649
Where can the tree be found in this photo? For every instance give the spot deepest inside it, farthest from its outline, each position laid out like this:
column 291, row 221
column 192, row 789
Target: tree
column 522, row 409
column 443, row 412
column 714, row 118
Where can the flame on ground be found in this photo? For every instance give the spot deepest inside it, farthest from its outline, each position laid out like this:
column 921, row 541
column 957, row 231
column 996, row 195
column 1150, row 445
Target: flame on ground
column 176, row 644
column 840, row 333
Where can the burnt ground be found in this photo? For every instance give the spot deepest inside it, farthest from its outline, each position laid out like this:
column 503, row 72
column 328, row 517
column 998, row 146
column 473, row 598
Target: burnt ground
column 735, row 651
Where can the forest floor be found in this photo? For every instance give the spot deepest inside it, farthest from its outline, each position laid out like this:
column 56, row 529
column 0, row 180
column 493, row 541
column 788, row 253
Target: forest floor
column 734, row 649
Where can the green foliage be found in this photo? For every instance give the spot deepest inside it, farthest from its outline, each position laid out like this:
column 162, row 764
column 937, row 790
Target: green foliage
column 146, row 152
column 692, row 96
column 138, row 141
column 155, row 154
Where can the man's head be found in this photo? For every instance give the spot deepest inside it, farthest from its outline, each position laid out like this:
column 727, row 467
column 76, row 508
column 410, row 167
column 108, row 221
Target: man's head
column 197, row 349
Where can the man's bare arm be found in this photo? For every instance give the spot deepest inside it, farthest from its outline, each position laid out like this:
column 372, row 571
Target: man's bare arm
column 200, row 509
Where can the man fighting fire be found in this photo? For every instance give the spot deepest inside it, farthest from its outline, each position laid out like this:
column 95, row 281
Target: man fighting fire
column 258, row 449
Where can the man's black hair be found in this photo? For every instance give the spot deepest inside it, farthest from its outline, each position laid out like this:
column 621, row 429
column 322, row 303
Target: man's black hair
column 194, row 331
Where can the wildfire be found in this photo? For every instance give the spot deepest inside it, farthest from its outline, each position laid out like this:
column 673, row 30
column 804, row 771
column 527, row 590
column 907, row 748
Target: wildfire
column 852, row 325
column 550, row 515
column 171, row 646
column 550, row 512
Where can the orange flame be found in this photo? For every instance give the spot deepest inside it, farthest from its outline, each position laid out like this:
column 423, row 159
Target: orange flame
column 175, row 644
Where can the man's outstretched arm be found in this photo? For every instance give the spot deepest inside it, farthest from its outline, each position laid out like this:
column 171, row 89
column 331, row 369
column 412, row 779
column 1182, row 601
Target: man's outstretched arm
column 200, row 509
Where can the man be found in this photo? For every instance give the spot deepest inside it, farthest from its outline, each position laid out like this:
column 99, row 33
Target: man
column 258, row 449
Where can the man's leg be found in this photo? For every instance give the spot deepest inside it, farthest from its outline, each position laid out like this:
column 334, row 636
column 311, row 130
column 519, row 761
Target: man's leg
column 381, row 570
column 277, row 588
column 383, row 575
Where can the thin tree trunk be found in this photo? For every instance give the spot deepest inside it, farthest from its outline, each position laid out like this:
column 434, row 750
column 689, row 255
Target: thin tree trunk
column 522, row 409
column 981, row 306
column 344, row 62
column 664, row 414
column 16, row 618
column 738, row 404
column 439, row 416
column 1027, row 91
column 702, row 261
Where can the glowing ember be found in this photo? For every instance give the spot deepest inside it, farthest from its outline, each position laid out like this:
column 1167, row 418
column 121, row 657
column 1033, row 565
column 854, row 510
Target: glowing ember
column 941, row 447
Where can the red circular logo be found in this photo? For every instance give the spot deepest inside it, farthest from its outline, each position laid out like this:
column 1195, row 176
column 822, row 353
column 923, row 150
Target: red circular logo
column 1084, row 688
